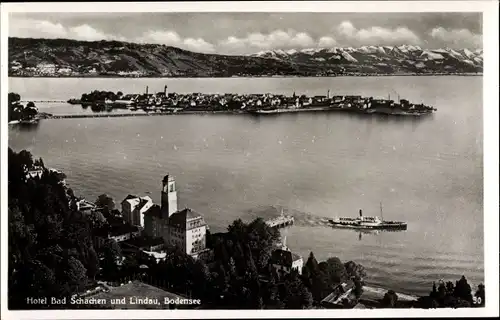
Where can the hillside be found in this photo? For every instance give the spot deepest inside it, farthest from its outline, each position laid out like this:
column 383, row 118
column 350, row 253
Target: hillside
column 63, row 57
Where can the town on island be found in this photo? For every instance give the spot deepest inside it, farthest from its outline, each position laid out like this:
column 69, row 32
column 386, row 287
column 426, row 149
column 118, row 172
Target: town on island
column 267, row 103
column 166, row 103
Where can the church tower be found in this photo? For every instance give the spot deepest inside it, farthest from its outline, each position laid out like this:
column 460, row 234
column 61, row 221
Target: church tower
column 168, row 197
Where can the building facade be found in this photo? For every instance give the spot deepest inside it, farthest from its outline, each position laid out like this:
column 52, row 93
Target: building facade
column 185, row 229
column 284, row 261
column 133, row 209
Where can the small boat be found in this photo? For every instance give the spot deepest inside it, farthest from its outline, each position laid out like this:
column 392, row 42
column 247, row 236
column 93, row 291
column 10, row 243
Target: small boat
column 367, row 223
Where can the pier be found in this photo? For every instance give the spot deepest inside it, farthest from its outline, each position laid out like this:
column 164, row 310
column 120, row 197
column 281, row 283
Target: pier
column 43, row 101
column 281, row 221
column 115, row 115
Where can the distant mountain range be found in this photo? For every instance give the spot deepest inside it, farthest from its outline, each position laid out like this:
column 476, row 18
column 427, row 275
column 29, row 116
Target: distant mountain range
column 72, row 58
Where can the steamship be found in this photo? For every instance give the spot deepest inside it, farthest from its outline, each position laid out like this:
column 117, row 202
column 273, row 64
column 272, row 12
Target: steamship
column 367, row 223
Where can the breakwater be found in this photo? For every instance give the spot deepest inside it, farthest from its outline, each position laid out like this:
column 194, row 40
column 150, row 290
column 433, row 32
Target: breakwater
column 230, row 112
column 116, row 115
column 43, row 101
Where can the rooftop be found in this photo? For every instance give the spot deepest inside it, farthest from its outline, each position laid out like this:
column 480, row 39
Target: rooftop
column 117, row 230
column 183, row 218
column 284, row 257
column 337, row 292
column 130, row 196
column 137, row 289
column 145, row 242
column 154, row 211
column 359, row 306
column 168, row 178
column 138, row 201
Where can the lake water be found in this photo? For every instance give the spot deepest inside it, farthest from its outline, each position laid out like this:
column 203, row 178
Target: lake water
column 427, row 172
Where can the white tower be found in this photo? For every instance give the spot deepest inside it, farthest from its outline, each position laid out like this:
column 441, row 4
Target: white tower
column 168, row 197
column 283, row 245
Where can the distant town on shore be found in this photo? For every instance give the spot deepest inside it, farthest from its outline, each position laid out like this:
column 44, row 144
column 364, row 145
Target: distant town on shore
column 72, row 58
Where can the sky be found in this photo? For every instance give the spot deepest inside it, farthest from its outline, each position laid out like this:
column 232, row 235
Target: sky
column 246, row 33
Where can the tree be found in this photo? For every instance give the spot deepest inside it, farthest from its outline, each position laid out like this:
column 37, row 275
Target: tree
column 49, row 242
column 296, row 295
column 106, row 202
column 75, row 275
column 441, row 292
column 480, row 295
column 434, row 293
column 447, row 295
column 450, row 288
column 390, row 299
column 237, row 229
column 13, row 97
column 111, row 253
column 33, row 279
column 24, row 158
column 358, row 288
column 312, row 264
column 97, row 219
column 336, row 271
column 314, row 278
column 29, row 112
column 355, row 270
column 463, row 290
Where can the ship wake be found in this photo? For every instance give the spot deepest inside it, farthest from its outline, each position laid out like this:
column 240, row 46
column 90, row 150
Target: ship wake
column 302, row 219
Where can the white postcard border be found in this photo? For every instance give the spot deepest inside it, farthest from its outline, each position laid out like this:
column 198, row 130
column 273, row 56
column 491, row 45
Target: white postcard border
column 490, row 144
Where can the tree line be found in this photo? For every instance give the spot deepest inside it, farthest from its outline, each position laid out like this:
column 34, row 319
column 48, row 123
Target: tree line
column 19, row 112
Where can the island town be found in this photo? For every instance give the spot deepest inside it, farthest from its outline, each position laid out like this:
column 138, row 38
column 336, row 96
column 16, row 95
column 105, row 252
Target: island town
column 102, row 103
column 165, row 102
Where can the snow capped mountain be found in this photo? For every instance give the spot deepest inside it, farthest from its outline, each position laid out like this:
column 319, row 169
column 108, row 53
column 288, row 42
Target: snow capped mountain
column 262, row 53
column 430, row 55
column 348, row 57
column 310, row 51
column 348, row 49
column 478, row 60
column 280, row 52
column 276, row 54
column 335, row 57
column 454, row 53
column 467, row 53
column 439, row 50
column 384, row 57
column 332, row 50
column 307, row 62
column 365, row 49
column 403, row 48
column 381, row 50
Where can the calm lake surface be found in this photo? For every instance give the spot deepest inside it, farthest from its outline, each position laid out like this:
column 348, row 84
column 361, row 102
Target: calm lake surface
column 427, row 172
